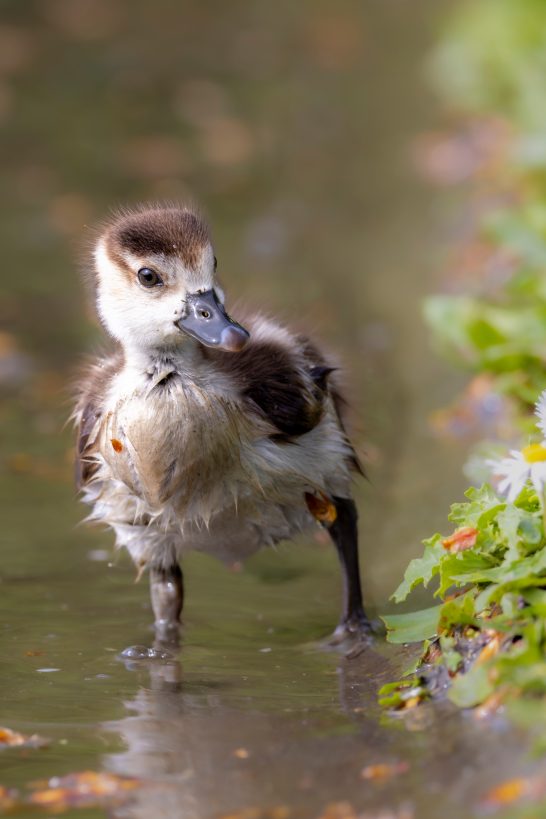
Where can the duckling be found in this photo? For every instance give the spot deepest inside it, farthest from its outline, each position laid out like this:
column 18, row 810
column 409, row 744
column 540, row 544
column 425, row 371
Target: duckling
column 199, row 432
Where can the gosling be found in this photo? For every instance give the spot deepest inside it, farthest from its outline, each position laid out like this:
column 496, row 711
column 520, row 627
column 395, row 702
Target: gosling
column 199, row 433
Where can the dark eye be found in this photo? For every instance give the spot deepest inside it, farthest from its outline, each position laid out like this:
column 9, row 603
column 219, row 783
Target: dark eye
column 215, row 262
column 148, row 277
column 205, row 314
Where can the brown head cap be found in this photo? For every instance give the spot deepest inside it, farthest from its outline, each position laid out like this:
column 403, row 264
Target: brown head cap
column 168, row 231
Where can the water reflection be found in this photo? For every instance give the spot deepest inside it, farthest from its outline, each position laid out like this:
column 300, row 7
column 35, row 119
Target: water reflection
column 207, row 751
column 211, row 754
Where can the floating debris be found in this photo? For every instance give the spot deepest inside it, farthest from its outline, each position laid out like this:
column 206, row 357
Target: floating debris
column 82, row 790
column 383, row 771
column 514, row 790
column 241, row 753
column 13, row 739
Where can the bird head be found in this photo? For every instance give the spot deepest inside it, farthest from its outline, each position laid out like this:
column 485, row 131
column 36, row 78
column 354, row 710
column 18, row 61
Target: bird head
column 156, row 282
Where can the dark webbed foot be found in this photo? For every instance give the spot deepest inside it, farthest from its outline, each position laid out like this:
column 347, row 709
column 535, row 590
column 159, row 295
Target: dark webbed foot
column 354, row 629
column 353, row 635
column 167, row 593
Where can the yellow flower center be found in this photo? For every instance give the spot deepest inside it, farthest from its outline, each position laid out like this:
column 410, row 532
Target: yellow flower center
column 534, row 453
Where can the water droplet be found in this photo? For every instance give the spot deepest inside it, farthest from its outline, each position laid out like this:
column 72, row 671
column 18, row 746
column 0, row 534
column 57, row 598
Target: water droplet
column 145, row 653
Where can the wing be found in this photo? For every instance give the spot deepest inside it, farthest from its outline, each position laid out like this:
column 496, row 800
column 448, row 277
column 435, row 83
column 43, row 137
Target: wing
column 88, row 413
column 288, row 384
column 320, row 372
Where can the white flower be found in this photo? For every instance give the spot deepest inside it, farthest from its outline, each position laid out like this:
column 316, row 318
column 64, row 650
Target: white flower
column 540, row 412
column 519, row 467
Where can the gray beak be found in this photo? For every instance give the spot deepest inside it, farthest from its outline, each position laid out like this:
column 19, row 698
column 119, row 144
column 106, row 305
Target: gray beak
column 207, row 321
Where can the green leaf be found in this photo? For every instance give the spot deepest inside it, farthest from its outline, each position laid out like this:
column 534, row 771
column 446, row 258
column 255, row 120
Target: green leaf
column 394, row 695
column 450, row 656
column 531, row 530
column 421, row 569
column 524, row 569
column 413, row 626
column 509, row 520
column 483, row 503
column 471, row 688
column 461, row 569
column 458, row 612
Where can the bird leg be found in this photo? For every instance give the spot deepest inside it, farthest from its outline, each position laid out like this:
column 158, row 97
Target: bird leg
column 167, row 593
column 344, row 533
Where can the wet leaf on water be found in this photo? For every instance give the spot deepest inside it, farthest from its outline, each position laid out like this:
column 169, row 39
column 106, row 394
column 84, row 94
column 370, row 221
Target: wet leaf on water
column 241, row 753
column 513, row 790
column 344, row 810
column 83, row 789
column 8, row 798
column 254, row 812
column 339, row 810
column 383, row 771
column 13, row 739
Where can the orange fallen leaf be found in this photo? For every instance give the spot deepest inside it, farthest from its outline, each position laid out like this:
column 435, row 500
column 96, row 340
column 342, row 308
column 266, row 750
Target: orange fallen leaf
column 490, row 649
column 461, row 540
column 9, row 798
column 252, row 812
column 83, row 789
column 338, row 810
column 8, row 344
column 512, row 791
column 241, row 753
column 12, row 739
column 321, row 507
column 383, row 771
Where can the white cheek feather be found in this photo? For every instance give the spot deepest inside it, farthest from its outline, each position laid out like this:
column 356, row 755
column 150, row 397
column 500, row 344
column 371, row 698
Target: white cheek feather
column 131, row 315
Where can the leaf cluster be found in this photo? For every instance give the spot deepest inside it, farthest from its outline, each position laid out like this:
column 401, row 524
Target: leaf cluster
column 488, row 631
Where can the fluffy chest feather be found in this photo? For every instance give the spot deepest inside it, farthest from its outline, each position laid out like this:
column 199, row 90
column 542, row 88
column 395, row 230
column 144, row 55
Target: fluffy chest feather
column 165, row 433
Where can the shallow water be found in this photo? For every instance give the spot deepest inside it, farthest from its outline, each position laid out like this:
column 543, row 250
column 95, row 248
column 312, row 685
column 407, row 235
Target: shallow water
column 293, row 125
